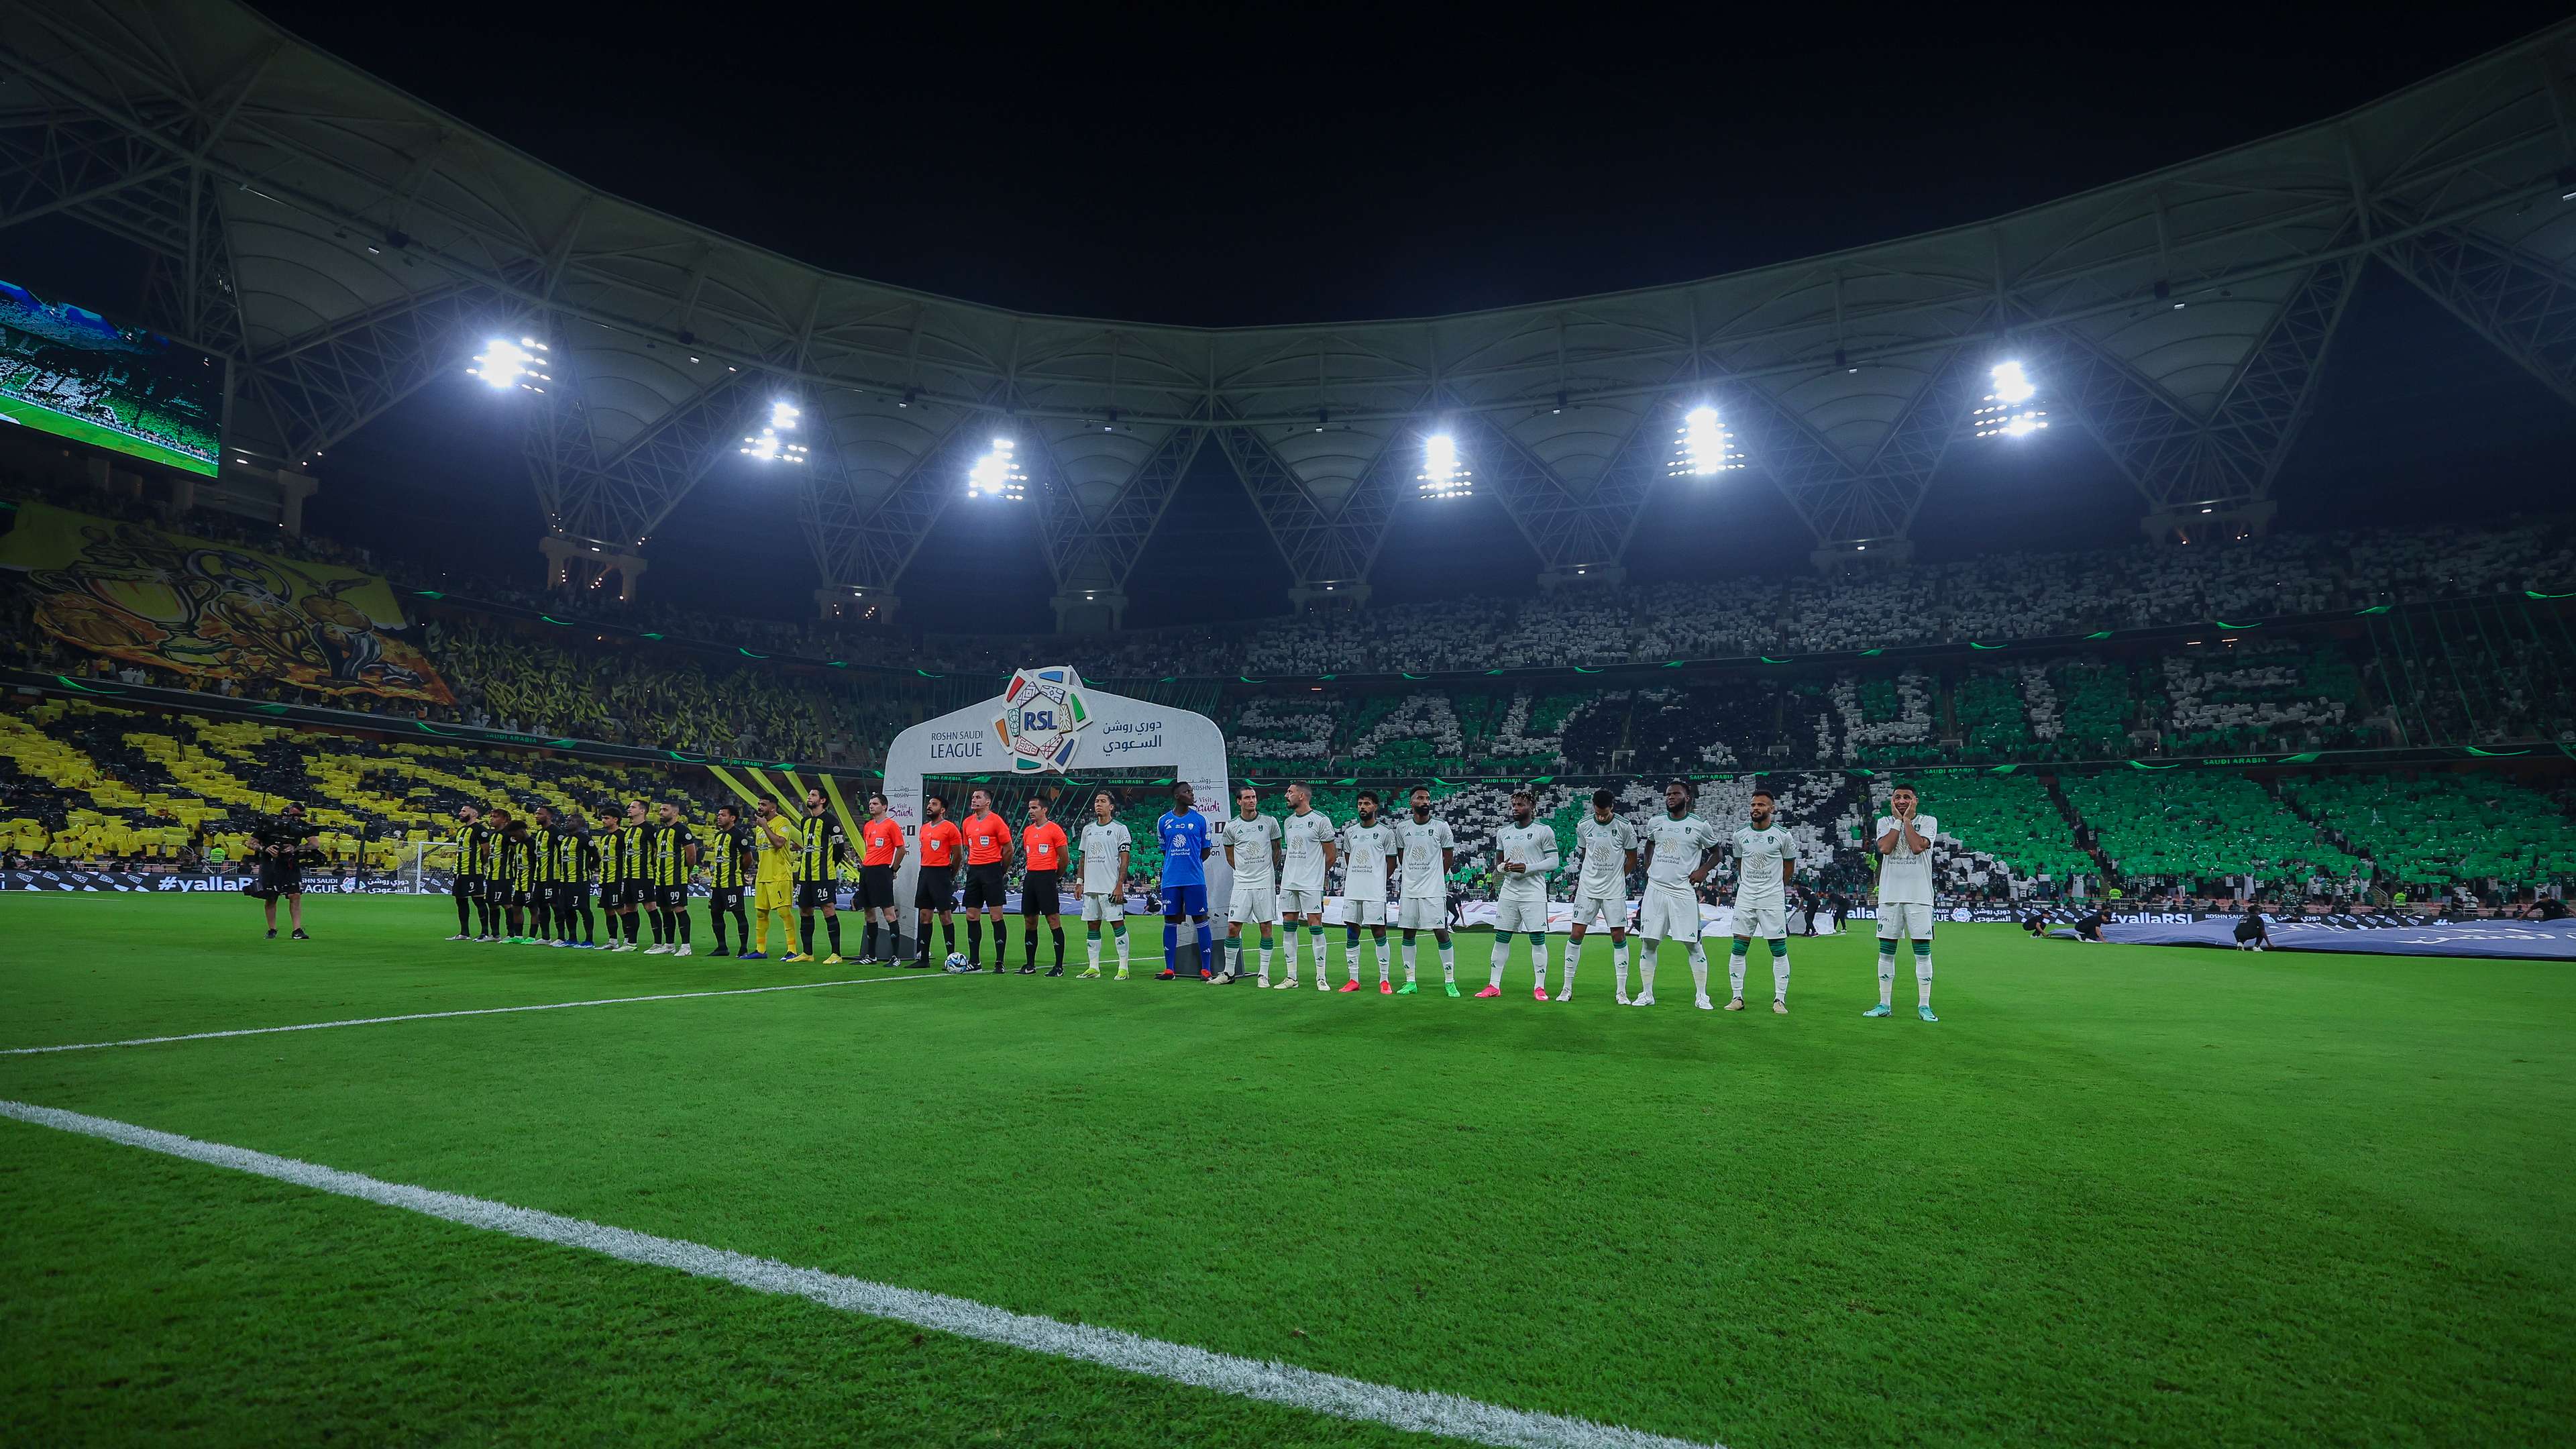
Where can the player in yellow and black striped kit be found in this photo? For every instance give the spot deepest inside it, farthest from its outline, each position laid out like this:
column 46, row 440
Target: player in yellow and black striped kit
column 570, row 874
column 670, row 856
column 473, row 865
column 626, row 839
column 726, row 856
column 821, row 846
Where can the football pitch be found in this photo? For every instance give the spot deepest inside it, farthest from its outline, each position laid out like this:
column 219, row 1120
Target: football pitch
column 2117, row 1195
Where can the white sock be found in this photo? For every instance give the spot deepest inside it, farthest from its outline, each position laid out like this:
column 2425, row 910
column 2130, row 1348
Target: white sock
column 1408, row 963
column 1735, row 973
column 1779, row 978
column 1538, row 961
column 1265, row 961
column 1646, row 967
column 1565, row 968
column 1122, row 948
column 1378, row 955
column 1619, row 964
column 1886, row 975
column 1449, row 962
column 1923, row 980
column 1092, row 946
column 1699, row 967
column 1494, row 963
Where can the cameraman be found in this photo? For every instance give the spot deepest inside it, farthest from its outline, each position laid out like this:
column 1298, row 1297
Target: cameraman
column 281, row 846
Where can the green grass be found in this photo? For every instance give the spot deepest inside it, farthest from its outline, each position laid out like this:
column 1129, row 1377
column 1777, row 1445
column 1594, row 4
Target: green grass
column 82, row 430
column 2118, row 1195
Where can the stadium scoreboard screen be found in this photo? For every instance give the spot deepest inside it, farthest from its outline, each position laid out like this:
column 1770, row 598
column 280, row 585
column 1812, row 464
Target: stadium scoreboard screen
column 69, row 371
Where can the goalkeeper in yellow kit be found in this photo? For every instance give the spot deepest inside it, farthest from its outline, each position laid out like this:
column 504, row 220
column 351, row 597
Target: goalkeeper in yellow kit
column 776, row 889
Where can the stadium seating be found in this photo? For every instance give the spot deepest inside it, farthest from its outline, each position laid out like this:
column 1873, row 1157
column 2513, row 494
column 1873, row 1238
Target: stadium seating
column 2185, row 826
column 2437, row 830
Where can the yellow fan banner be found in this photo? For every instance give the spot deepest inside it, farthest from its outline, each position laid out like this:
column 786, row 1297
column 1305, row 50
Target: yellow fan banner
column 167, row 601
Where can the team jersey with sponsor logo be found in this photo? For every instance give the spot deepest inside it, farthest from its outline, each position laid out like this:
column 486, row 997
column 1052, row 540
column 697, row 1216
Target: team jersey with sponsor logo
column 1100, row 847
column 1678, row 846
column 1759, row 854
column 1532, row 845
column 1365, row 849
column 1420, row 843
column 724, row 850
column 1905, row 876
column 1305, row 836
column 820, row 843
column 1184, row 834
column 1248, row 844
column 1604, row 849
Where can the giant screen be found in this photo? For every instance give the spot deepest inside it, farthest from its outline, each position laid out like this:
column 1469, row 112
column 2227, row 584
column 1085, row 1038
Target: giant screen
column 68, row 370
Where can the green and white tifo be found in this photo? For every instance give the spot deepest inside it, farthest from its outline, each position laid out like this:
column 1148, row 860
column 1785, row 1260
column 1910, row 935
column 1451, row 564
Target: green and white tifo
column 2117, row 1196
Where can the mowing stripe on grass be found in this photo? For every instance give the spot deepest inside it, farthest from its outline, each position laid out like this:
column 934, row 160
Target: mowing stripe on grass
column 1408, row 1409
column 135, row 1041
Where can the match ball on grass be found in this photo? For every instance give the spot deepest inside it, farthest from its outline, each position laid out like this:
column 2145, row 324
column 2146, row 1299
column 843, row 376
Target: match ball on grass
column 957, row 958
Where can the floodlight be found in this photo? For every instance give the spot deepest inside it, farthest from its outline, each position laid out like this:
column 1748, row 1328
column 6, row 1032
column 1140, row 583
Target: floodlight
column 997, row 474
column 1443, row 476
column 1703, row 445
column 770, row 444
column 504, row 364
column 2008, row 411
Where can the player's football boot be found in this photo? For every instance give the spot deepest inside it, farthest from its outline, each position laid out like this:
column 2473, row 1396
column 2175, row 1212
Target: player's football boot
column 1733, row 1003
column 459, row 936
column 1407, row 989
column 1566, row 995
column 832, row 960
column 1705, row 1004
column 1642, row 999
column 686, row 949
column 745, row 956
column 1925, row 1012
column 1539, row 992
column 1091, row 975
column 1206, row 975
column 1056, row 971
column 1779, row 1007
column 1489, row 991
column 1352, row 985
column 658, row 948
column 1122, row 974
column 1167, row 974
column 1453, row 987
column 1878, row 1010
column 1030, row 969
column 1385, row 987
column 298, row 935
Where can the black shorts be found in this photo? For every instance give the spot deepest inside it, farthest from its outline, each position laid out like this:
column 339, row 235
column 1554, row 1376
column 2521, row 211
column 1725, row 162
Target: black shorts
column 936, row 888
column 1039, row 893
column 814, row 894
column 987, row 885
column 876, row 887
column 282, row 876
column 495, row 889
column 630, row 893
column 723, row 900
column 466, row 886
column 571, row 895
column 667, row 897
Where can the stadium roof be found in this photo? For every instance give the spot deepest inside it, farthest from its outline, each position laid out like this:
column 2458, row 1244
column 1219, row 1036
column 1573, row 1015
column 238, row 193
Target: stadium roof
column 345, row 244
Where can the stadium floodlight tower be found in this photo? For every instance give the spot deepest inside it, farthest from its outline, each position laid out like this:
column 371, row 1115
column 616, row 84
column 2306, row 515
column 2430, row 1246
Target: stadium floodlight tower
column 1703, row 446
column 998, row 473
column 1444, row 474
column 2011, row 409
column 772, row 444
column 503, row 365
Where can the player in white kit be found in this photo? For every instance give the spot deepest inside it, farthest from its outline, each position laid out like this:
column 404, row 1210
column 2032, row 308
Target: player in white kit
column 1308, row 850
column 1106, row 847
column 1766, row 855
column 1252, row 852
column 1528, row 851
column 1428, row 851
column 1606, row 844
column 1905, row 897
column 1368, row 843
column 1679, row 848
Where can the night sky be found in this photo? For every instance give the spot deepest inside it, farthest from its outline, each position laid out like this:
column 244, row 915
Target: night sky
column 1161, row 166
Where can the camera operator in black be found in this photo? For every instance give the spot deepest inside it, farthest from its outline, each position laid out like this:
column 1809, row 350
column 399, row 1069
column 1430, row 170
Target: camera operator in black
column 282, row 845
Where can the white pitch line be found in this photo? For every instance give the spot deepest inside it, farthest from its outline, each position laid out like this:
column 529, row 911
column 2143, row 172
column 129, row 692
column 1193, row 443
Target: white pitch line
column 1412, row 1410
column 134, row 1041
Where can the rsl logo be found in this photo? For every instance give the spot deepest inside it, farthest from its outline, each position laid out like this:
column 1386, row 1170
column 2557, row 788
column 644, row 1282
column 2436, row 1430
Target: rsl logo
column 1041, row 717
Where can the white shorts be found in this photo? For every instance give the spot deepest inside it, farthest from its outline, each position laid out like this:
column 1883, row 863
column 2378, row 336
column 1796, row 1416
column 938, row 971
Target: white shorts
column 1361, row 912
column 1108, row 906
column 1253, row 905
column 1423, row 911
column 1519, row 914
column 1668, row 911
column 1301, row 903
column 1610, row 911
column 1911, row 922
column 1765, row 922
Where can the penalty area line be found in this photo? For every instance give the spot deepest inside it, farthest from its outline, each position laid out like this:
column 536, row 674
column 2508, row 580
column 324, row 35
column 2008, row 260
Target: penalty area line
column 1412, row 1410
column 136, row 1041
